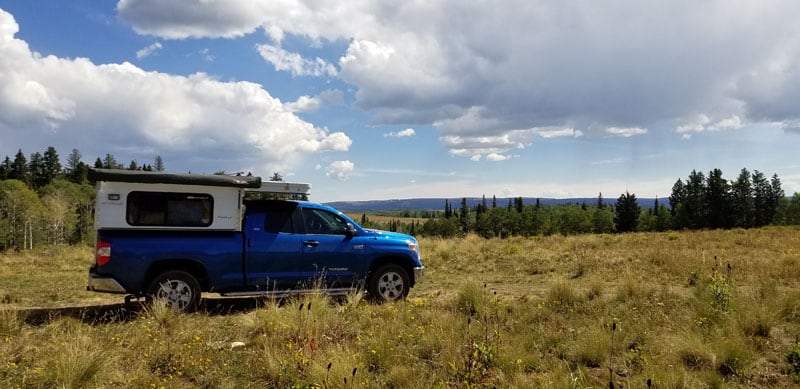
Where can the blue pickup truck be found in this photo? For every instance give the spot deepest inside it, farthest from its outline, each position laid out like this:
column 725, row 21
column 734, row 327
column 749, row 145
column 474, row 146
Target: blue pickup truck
column 174, row 236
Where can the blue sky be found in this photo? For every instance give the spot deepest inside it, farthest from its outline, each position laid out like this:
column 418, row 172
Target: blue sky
column 444, row 98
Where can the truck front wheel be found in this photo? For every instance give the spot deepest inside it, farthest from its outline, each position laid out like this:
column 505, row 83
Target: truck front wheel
column 389, row 283
column 178, row 289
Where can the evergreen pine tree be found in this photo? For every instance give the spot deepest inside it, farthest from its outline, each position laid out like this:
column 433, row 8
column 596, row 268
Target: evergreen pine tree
column 776, row 195
column 717, row 200
column 74, row 166
column 158, row 164
column 464, row 215
column 5, row 169
column 19, row 168
column 52, row 164
column 109, row 162
column 695, row 202
column 37, row 171
column 742, row 205
column 627, row 213
column 73, row 159
column 761, row 199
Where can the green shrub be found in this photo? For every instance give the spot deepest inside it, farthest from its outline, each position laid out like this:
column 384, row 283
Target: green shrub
column 793, row 358
column 733, row 358
column 471, row 299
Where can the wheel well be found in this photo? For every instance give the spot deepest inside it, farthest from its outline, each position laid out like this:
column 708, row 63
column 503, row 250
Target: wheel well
column 405, row 264
column 192, row 267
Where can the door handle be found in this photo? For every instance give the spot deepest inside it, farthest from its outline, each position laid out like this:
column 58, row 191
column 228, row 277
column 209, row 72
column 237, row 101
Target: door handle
column 311, row 243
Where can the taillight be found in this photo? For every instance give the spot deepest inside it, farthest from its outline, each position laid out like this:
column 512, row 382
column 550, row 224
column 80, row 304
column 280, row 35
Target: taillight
column 103, row 254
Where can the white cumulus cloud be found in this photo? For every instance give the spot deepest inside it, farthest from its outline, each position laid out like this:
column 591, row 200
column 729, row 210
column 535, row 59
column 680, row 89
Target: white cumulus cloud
column 408, row 132
column 731, row 123
column 619, row 65
column 495, row 157
column 626, row 132
column 294, row 63
column 304, row 104
column 559, row 132
column 701, row 122
column 149, row 50
column 340, row 170
column 218, row 125
column 193, row 18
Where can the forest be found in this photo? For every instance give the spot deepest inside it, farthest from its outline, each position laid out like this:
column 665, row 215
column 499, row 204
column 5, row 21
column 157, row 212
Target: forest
column 43, row 202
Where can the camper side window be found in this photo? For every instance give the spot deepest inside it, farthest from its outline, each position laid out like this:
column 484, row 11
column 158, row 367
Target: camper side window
column 169, row 209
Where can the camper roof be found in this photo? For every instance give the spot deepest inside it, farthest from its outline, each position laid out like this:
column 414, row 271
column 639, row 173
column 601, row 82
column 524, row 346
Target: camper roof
column 138, row 176
column 282, row 187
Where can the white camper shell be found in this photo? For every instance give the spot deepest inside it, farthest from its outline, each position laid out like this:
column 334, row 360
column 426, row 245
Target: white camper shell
column 168, row 201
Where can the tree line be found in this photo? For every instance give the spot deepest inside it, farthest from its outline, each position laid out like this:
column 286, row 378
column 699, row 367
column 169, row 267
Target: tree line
column 700, row 202
column 43, row 168
column 45, row 202
column 752, row 200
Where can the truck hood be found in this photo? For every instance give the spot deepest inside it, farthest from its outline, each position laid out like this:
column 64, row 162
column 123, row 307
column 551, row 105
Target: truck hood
column 380, row 234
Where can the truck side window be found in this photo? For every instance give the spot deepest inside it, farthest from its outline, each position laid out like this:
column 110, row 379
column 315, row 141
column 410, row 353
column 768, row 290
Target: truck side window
column 169, row 209
column 318, row 221
column 280, row 220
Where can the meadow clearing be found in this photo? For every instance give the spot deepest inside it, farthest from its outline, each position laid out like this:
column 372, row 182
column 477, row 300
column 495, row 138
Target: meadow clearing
column 666, row 310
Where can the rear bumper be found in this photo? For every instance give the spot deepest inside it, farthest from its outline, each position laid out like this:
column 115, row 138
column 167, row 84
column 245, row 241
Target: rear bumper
column 98, row 283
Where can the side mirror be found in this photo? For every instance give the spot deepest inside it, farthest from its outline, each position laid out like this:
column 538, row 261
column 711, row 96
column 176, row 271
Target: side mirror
column 351, row 231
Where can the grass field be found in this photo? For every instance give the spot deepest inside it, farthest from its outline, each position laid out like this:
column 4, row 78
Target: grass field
column 677, row 310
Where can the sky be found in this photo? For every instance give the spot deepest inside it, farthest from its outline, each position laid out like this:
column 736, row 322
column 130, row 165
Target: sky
column 369, row 100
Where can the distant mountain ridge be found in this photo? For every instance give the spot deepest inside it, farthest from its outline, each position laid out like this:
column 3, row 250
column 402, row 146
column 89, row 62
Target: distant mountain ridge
column 422, row 204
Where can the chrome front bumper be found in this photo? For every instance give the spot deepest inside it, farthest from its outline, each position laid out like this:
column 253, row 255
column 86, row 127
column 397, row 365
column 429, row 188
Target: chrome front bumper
column 419, row 273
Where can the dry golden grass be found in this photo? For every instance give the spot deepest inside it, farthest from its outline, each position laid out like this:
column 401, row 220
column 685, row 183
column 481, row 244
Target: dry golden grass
column 47, row 277
column 383, row 219
column 576, row 311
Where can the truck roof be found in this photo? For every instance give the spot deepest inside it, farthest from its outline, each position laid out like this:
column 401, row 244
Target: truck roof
column 137, row 176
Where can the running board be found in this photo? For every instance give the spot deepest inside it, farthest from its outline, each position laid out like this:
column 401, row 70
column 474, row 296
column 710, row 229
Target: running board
column 290, row 292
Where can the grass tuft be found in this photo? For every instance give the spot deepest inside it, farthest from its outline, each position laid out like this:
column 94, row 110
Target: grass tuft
column 11, row 323
column 78, row 359
column 562, row 296
column 471, row 300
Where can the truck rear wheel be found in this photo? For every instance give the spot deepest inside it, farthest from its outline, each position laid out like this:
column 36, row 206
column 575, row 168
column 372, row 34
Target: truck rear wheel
column 178, row 289
column 389, row 282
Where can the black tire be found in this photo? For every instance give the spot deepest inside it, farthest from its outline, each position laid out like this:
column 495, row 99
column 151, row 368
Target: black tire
column 387, row 283
column 178, row 289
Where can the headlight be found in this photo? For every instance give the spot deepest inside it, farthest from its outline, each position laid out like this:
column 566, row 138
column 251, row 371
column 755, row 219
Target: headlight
column 414, row 246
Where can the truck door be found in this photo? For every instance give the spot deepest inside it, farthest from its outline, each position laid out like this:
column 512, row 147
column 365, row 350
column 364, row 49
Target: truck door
column 274, row 250
column 329, row 253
